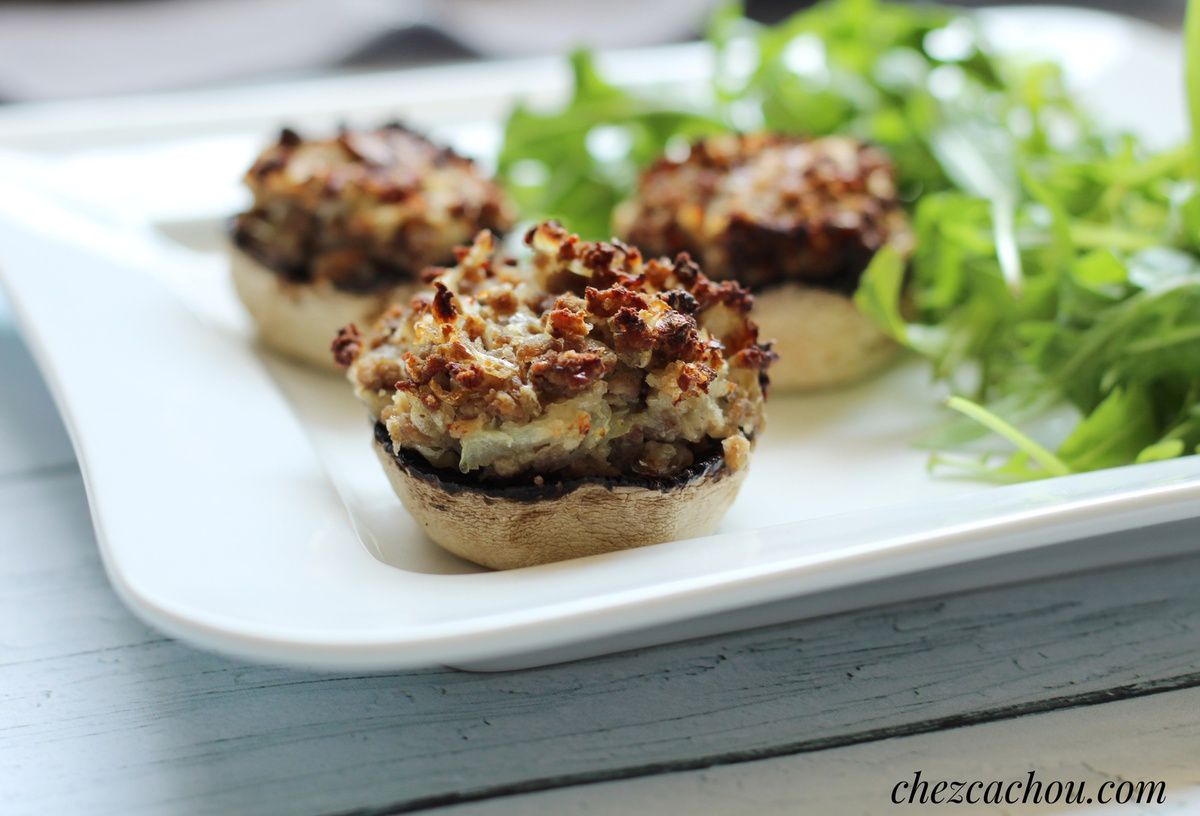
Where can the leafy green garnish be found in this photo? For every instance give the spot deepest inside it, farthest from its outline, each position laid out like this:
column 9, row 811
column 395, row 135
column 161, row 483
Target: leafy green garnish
column 1056, row 265
column 1029, row 449
column 847, row 66
column 577, row 163
column 878, row 295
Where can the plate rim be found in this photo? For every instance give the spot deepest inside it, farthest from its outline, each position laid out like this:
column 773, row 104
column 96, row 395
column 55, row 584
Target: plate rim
column 468, row 640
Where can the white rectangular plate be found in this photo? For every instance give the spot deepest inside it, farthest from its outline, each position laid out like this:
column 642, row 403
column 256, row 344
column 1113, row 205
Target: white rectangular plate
column 235, row 497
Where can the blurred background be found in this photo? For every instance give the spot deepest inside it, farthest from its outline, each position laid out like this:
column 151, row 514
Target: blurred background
column 73, row 48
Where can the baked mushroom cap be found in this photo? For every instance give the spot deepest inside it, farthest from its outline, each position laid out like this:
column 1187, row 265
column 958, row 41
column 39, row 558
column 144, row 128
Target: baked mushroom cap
column 822, row 339
column 301, row 319
column 795, row 219
column 345, row 226
column 581, row 375
column 507, row 526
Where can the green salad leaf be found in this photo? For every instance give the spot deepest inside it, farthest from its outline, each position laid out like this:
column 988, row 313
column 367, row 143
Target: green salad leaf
column 575, row 164
column 879, row 295
column 1056, row 270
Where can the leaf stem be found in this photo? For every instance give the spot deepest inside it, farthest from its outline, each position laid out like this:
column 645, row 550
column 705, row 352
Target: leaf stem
column 1174, row 338
column 1053, row 465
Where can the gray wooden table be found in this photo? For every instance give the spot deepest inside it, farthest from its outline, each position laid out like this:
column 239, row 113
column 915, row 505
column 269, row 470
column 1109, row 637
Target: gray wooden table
column 1089, row 675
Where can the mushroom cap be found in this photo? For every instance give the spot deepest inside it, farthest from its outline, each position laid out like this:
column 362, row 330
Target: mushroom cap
column 822, row 339
column 507, row 527
column 300, row 320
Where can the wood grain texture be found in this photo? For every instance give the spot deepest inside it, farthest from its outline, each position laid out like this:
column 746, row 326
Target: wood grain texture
column 1149, row 738
column 100, row 715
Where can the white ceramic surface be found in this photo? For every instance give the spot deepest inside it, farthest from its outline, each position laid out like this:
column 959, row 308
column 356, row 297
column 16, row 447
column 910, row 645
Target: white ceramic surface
column 235, row 496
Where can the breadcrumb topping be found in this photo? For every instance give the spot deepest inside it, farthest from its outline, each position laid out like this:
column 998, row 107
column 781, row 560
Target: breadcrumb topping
column 764, row 208
column 581, row 359
column 366, row 209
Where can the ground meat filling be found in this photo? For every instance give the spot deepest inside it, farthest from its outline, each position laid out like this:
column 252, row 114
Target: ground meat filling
column 765, row 208
column 364, row 210
column 581, row 360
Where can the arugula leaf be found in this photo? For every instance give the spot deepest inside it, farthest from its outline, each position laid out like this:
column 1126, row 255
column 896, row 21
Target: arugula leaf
column 1056, row 268
column 1116, row 433
column 576, row 164
column 878, row 294
column 853, row 66
column 1053, row 465
column 1166, row 449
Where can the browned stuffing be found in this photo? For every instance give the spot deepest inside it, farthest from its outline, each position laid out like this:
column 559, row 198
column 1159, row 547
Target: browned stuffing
column 365, row 209
column 582, row 359
column 346, row 345
column 763, row 208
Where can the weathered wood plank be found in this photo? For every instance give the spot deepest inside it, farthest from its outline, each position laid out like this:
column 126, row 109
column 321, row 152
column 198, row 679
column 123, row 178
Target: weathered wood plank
column 99, row 714
column 1149, row 738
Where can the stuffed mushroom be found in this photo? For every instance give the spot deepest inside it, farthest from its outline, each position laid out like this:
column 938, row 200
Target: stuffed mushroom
column 576, row 401
column 339, row 228
column 797, row 220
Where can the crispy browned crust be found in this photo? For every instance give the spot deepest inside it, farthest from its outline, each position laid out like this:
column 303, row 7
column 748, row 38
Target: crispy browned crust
column 365, row 209
column 583, row 336
column 763, row 208
column 346, row 345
